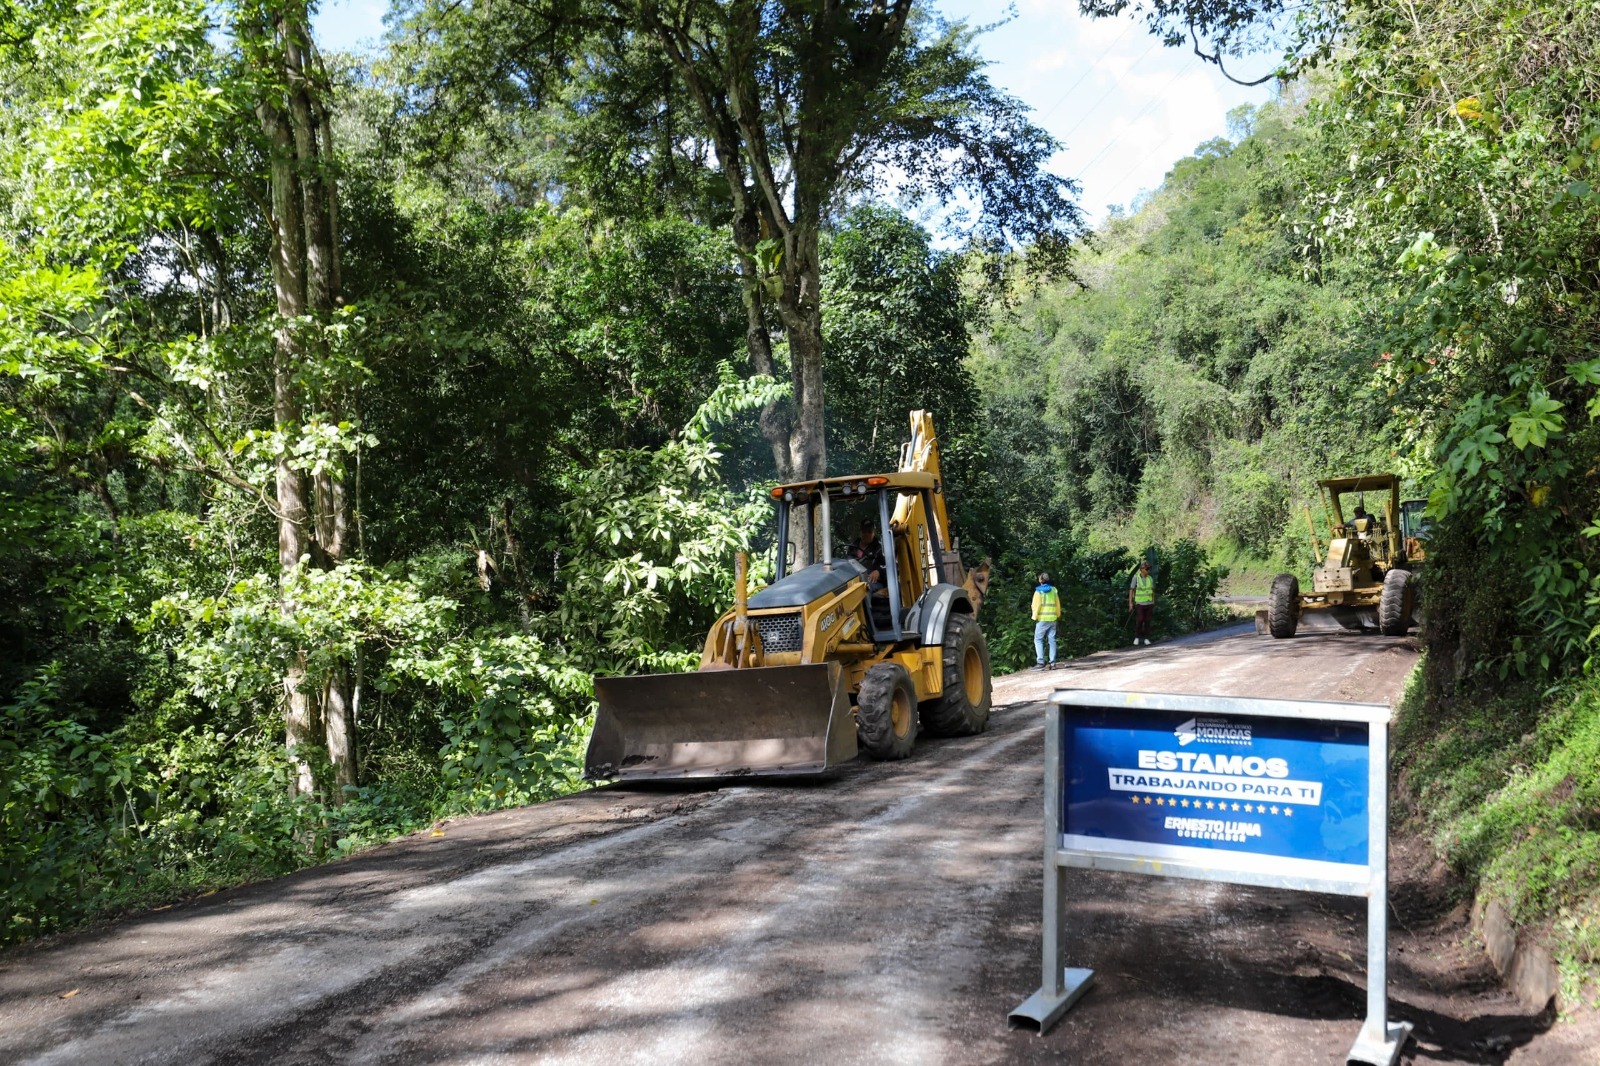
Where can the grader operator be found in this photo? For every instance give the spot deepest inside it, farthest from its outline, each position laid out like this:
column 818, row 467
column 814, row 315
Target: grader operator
column 820, row 664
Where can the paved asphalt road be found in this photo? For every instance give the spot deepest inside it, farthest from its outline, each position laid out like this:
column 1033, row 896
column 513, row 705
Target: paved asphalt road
column 890, row 915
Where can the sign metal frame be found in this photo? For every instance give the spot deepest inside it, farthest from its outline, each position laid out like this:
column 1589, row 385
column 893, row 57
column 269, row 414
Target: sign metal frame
column 1380, row 1041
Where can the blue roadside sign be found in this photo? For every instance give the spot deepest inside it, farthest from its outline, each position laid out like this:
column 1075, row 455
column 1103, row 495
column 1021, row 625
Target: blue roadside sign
column 1289, row 794
column 1230, row 792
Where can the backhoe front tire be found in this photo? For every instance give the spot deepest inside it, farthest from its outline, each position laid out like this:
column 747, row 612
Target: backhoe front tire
column 1395, row 603
column 962, row 710
column 886, row 712
column 1283, row 606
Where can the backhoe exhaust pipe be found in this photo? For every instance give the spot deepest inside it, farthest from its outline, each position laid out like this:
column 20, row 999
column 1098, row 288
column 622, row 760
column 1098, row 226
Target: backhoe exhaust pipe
column 741, row 612
column 827, row 532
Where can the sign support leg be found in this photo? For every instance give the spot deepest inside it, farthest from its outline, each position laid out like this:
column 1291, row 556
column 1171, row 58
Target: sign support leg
column 1059, row 987
column 1380, row 1041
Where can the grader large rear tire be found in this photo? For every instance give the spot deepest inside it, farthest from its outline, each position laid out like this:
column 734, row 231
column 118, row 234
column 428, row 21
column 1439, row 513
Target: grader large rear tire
column 962, row 710
column 1283, row 606
column 886, row 712
column 1395, row 603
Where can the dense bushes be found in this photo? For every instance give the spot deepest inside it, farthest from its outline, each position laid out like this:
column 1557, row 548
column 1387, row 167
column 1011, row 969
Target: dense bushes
column 1094, row 599
column 184, row 782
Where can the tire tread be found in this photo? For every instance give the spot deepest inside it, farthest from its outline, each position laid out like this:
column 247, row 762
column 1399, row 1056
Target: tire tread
column 1394, row 603
column 950, row 714
column 1283, row 606
column 874, row 719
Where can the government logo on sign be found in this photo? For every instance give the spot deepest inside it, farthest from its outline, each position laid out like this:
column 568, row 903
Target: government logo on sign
column 1212, row 731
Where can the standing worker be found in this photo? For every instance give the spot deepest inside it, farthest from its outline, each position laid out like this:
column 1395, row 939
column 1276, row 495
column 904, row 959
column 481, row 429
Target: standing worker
column 1046, row 610
column 1142, row 601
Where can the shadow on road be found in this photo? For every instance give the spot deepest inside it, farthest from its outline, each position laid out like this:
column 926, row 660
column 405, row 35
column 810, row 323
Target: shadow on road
column 1484, row 1040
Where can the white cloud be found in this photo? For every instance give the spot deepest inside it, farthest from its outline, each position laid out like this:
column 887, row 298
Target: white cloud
column 1126, row 108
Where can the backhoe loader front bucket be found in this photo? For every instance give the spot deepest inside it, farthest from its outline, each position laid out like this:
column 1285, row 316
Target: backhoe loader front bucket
column 768, row 720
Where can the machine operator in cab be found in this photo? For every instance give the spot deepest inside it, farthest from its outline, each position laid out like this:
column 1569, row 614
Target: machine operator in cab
column 869, row 553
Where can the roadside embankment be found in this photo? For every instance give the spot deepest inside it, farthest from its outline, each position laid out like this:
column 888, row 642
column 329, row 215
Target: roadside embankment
column 1507, row 790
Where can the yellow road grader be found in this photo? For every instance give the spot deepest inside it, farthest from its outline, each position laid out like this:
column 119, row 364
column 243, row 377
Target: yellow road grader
column 1366, row 580
column 822, row 663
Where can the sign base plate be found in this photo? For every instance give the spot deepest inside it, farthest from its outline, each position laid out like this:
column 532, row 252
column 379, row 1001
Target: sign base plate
column 1042, row 1010
column 1372, row 1050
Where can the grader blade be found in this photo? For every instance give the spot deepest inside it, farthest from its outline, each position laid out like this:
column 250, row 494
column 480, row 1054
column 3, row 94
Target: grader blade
column 772, row 720
column 1348, row 619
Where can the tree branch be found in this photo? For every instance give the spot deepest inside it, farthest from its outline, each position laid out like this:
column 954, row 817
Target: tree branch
column 1215, row 57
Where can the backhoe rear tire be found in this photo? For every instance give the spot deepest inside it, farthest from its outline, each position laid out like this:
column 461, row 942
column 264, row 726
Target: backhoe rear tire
column 886, row 712
column 1283, row 606
column 962, row 710
column 1395, row 603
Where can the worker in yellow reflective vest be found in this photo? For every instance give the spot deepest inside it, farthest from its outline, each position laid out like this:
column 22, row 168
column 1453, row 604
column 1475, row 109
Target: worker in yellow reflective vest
column 1046, row 611
column 1142, row 601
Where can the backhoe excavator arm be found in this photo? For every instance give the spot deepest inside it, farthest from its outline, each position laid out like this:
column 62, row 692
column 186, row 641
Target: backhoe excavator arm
column 920, row 455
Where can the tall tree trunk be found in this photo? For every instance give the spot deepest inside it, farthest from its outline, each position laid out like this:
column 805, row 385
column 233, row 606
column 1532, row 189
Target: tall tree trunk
column 719, row 96
column 294, row 520
column 313, row 133
column 338, row 693
column 800, row 309
column 314, row 515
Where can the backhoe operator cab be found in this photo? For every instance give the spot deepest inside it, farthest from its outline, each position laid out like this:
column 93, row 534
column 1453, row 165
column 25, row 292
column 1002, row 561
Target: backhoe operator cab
column 898, row 506
column 828, row 611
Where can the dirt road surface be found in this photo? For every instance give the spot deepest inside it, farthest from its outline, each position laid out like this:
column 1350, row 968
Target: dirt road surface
column 890, row 915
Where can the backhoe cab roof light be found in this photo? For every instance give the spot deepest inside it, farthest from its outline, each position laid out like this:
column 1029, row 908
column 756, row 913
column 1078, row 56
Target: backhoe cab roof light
column 844, row 488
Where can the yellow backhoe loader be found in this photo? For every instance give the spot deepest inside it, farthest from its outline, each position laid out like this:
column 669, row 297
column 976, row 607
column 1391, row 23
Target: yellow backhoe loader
column 823, row 662
column 1366, row 579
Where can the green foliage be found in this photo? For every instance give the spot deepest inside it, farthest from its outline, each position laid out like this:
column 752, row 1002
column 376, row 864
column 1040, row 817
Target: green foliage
column 192, row 791
column 1197, row 389
column 650, row 536
column 653, row 120
column 551, row 337
column 895, row 319
column 1094, row 599
column 1508, row 789
column 504, row 367
column 93, row 821
column 1453, row 162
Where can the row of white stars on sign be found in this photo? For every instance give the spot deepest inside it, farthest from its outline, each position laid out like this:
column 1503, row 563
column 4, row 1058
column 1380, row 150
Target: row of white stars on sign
column 1210, row 805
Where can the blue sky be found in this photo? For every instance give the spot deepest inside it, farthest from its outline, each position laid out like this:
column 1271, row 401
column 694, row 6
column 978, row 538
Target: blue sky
column 1125, row 107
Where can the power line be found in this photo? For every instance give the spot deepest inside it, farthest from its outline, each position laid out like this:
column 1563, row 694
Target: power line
column 1115, row 85
column 1154, row 100
column 1090, row 69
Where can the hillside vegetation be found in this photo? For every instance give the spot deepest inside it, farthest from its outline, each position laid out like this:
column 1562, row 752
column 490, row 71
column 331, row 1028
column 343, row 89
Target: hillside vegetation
column 1190, row 392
